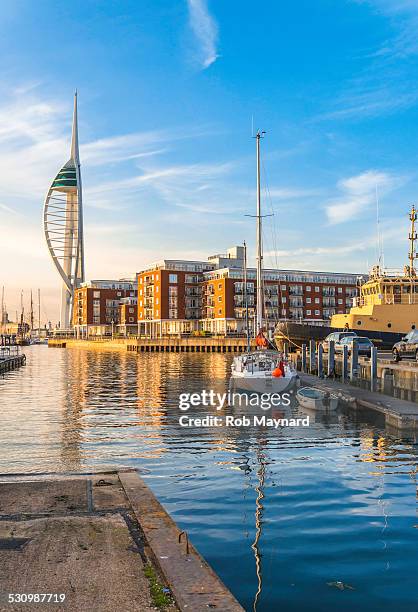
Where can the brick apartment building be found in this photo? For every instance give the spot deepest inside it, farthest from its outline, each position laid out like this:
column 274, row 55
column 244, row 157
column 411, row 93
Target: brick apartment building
column 99, row 306
column 176, row 296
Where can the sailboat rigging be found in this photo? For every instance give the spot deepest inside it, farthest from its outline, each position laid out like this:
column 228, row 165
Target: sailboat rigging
column 262, row 370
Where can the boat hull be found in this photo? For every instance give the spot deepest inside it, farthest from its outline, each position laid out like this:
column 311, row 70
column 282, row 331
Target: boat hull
column 264, row 385
column 296, row 334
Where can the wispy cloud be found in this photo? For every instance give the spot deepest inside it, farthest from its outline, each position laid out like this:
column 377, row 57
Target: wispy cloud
column 291, row 193
column 205, row 30
column 358, row 194
column 385, row 83
column 345, row 249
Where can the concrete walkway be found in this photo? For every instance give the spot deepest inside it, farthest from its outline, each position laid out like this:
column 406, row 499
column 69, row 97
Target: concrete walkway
column 90, row 538
column 401, row 414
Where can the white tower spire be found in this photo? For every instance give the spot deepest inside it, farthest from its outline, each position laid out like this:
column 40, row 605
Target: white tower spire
column 63, row 226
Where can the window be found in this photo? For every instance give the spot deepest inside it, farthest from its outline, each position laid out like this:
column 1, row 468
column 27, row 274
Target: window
column 219, row 298
column 157, row 313
column 140, row 292
column 283, row 287
column 131, row 319
column 140, row 281
column 156, row 277
column 131, row 310
column 340, row 301
column 340, row 289
column 317, row 312
column 172, row 278
column 308, row 288
column 220, row 311
column 96, row 294
column 157, row 289
column 156, row 301
column 284, row 300
column 172, row 291
column 172, row 313
column 219, row 285
column 316, row 300
column 308, row 300
column 316, row 289
column 119, row 294
column 308, row 313
column 140, row 303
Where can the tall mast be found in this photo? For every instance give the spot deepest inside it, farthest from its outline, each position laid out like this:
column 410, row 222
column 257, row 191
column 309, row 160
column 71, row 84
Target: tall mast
column 412, row 240
column 259, row 246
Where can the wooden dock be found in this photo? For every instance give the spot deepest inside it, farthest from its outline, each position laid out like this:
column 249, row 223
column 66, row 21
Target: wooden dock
column 167, row 344
column 192, row 344
column 11, row 358
column 104, row 542
column 399, row 414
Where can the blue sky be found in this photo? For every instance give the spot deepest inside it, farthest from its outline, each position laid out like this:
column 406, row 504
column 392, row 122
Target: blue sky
column 168, row 93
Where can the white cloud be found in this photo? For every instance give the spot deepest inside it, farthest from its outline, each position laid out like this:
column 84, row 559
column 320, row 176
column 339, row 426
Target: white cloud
column 358, row 194
column 205, row 30
column 332, row 250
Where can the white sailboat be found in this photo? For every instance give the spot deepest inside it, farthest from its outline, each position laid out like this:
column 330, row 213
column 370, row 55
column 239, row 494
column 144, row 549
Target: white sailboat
column 263, row 370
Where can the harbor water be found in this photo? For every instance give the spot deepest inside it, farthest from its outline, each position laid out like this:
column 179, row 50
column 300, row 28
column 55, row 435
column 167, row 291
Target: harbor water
column 321, row 517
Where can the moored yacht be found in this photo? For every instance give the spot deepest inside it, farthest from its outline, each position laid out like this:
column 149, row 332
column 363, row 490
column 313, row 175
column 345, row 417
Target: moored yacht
column 263, row 370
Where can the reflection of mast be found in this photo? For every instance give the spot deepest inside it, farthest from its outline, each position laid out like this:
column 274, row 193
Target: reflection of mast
column 258, row 524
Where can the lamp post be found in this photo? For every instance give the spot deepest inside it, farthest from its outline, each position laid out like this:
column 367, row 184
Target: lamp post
column 112, row 327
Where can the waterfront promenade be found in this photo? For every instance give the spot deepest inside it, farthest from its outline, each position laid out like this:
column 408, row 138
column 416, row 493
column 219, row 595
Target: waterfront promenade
column 99, row 541
column 168, row 344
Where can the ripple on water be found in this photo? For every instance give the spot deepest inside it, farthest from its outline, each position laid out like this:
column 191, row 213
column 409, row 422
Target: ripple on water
column 335, row 502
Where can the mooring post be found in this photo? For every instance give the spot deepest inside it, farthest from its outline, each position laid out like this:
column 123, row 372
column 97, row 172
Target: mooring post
column 331, row 358
column 311, row 356
column 285, row 350
column 373, row 369
column 320, row 362
column 303, row 368
column 345, row 363
column 354, row 361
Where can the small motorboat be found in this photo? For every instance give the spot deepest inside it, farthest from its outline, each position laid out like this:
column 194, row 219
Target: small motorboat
column 316, row 399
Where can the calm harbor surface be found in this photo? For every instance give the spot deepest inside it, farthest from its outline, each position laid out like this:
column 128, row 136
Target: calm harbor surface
column 325, row 515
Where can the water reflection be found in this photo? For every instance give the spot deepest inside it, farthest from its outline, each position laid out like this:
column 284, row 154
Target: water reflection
column 279, row 513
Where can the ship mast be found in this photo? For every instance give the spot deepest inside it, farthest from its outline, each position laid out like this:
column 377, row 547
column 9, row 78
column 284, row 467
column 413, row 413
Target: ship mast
column 412, row 240
column 259, row 247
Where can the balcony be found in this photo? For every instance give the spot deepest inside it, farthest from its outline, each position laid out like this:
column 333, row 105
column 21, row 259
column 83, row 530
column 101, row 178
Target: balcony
column 240, row 301
column 328, row 291
column 239, row 287
column 295, row 313
column 193, row 292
